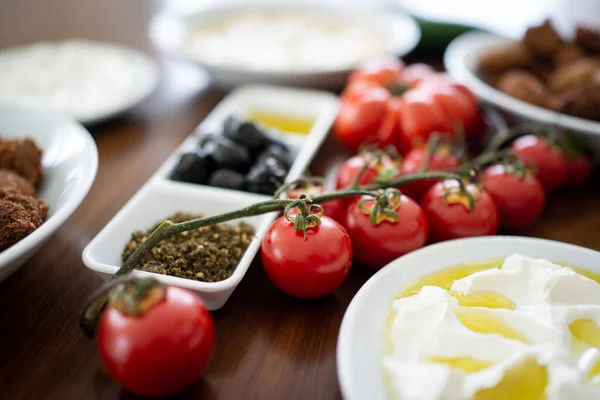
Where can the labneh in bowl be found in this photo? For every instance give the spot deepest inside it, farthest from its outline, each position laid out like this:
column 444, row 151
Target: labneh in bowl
column 361, row 339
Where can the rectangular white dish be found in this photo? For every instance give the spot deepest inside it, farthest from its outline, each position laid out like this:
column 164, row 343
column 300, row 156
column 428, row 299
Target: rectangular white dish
column 161, row 197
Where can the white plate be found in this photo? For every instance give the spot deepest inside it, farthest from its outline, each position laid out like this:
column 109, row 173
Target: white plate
column 86, row 80
column 161, row 197
column 360, row 341
column 168, row 32
column 70, row 161
column 460, row 59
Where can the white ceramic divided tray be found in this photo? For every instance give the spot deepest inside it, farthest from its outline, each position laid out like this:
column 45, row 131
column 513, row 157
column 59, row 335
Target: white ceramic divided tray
column 161, row 197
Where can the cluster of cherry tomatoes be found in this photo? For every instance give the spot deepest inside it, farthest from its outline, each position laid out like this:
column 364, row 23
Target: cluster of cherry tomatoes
column 510, row 194
column 387, row 103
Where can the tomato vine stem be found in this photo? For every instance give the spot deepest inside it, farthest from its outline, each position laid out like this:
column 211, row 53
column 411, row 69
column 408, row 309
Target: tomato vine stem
column 95, row 305
column 432, row 145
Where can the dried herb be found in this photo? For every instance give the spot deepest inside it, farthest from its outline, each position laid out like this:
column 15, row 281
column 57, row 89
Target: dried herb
column 208, row 254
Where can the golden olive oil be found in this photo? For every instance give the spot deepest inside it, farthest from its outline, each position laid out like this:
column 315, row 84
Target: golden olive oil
column 466, row 364
column 285, row 123
column 483, row 298
column 524, row 381
column 480, row 321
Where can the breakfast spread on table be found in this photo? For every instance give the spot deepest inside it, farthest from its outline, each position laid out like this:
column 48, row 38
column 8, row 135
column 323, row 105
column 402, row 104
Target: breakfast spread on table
column 548, row 71
column 21, row 173
column 516, row 329
column 422, row 172
column 426, row 162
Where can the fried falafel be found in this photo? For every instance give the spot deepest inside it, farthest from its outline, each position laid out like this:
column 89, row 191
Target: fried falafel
column 22, row 156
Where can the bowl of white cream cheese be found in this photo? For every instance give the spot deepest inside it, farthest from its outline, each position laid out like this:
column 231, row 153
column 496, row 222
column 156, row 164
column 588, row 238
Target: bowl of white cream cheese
column 476, row 319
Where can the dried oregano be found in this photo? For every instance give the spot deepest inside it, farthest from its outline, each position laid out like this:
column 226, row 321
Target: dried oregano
column 208, row 254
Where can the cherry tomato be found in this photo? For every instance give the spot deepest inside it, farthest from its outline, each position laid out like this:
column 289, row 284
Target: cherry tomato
column 163, row 350
column 377, row 245
column 549, row 162
column 441, row 160
column 400, row 105
column 579, row 171
column 307, row 268
column 449, row 217
column 335, row 209
column 519, row 199
column 378, row 165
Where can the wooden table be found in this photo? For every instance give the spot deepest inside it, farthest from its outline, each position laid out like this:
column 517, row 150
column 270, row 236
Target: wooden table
column 269, row 346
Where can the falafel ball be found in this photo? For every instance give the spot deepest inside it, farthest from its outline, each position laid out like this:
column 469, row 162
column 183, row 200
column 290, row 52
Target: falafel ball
column 23, row 157
column 20, row 215
column 10, row 179
column 524, row 86
column 543, row 40
column 589, row 39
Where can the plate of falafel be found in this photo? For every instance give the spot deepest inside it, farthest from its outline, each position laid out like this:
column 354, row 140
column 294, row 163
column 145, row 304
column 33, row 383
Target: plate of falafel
column 542, row 77
column 47, row 166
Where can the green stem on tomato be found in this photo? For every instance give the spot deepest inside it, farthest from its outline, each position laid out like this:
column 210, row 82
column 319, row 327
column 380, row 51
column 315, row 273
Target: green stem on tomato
column 507, row 134
column 399, row 182
column 93, row 309
column 487, row 158
column 358, row 177
column 432, row 145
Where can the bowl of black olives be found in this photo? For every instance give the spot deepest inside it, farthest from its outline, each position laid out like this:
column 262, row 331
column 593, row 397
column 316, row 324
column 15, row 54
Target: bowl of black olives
column 242, row 156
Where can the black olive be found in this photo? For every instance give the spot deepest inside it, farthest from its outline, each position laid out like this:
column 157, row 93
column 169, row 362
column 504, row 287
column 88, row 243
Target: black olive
column 274, row 140
column 280, row 153
column 266, row 176
column 227, row 178
column 226, row 153
column 248, row 134
column 193, row 167
column 230, row 126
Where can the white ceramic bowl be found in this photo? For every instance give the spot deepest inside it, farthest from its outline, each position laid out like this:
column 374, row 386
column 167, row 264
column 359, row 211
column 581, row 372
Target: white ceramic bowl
column 460, row 59
column 360, row 340
column 168, row 31
column 161, row 197
column 70, row 161
column 87, row 80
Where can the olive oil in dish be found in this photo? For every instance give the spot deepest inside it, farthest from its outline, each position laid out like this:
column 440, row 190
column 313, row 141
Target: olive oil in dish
column 282, row 122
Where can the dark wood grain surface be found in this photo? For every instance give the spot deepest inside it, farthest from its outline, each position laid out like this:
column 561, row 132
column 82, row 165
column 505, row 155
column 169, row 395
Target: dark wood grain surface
column 269, row 346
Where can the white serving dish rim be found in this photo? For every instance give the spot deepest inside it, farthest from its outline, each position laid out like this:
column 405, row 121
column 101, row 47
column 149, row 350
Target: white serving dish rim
column 359, row 349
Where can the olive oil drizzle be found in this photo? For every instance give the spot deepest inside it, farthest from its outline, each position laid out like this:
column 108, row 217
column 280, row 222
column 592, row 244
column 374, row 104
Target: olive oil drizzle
column 285, row 123
column 526, row 380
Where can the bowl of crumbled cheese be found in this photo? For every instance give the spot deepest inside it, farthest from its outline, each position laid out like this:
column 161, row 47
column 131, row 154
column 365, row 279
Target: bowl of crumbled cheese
column 475, row 319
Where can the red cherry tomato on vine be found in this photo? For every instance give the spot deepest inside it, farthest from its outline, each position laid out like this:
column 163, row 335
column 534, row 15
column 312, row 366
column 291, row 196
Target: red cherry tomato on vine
column 377, row 245
column 449, row 217
column 547, row 161
column 307, row 268
column 378, row 165
column 519, row 199
column 441, row 160
column 579, row 171
column 163, row 350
